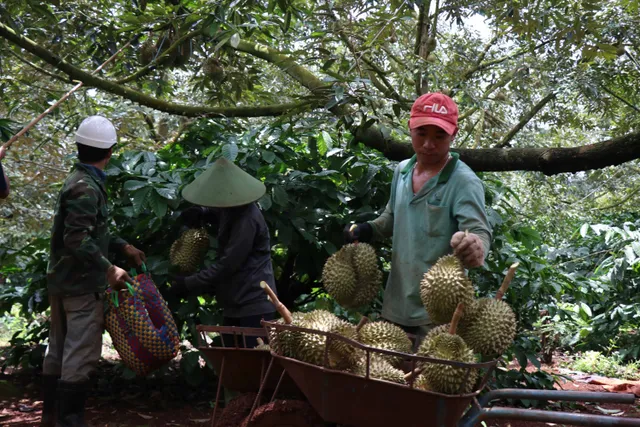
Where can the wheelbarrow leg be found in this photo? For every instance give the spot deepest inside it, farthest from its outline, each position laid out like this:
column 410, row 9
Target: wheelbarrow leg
column 275, row 392
column 261, row 389
column 215, row 404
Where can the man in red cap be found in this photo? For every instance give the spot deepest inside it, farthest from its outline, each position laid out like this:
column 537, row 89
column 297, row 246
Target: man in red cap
column 435, row 197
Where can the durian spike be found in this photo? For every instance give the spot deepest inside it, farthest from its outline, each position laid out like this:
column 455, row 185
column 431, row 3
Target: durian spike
column 282, row 309
column 456, row 318
column 260, row 342
column 363, row 321
column 507, row 280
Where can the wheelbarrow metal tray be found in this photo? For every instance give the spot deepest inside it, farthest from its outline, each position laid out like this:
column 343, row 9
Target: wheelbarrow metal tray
column 344, row 398
column 244, row 368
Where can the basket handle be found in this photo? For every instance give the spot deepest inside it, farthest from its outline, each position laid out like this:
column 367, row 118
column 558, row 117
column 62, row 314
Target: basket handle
column 114, row 294
column 133, row 272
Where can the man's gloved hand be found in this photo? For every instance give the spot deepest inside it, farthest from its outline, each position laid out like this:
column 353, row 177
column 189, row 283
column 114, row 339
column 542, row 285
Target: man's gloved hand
column 134, row 254
column 361, row 233
column 178, row 287
column 468, row 248
column 193, row 216
column 117, row 278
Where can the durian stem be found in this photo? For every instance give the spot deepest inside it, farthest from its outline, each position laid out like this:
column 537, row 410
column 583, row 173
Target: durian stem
column 260, row 342
column 282, row 309
column 456, row 318
column 507, row 280
column 411, row 375
column 361, row 323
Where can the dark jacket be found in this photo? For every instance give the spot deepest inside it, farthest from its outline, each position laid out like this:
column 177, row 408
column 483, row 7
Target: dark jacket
column 244, row 260
column 80, row 238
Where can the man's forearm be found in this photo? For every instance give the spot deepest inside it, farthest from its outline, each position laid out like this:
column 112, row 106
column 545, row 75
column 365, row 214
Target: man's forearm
column 383, row 225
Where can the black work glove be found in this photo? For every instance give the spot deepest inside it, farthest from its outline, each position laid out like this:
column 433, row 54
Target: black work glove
column 193, row 216
column 178, row 287
column 362, row 233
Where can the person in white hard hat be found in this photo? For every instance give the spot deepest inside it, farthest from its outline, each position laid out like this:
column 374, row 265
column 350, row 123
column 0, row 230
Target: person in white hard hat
column 77, row 276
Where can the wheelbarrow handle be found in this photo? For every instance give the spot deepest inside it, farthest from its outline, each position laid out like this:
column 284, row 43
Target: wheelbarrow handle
column 282, row 309
column 554, row 417
column 567, row 396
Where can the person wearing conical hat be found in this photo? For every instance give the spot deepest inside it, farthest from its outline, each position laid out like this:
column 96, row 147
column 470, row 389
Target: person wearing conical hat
column 226, row 195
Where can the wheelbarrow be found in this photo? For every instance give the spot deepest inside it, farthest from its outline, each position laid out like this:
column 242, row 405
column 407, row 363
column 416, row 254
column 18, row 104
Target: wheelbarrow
column 362, row 401
column 242, row 369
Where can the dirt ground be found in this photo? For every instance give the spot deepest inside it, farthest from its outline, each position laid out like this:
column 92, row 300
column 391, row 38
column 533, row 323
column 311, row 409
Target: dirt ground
column 160, row 402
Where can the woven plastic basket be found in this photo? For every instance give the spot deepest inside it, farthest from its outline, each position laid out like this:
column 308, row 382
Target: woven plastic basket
column 141, row 326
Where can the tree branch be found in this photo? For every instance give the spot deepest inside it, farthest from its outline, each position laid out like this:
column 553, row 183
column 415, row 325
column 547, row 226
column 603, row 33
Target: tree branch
column 525, row 119
column 619, row 98
column 620, row 202
column 180, row 109
column 549, row 161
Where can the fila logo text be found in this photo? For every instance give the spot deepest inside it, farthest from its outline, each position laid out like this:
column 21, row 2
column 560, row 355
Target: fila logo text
column 436, row 108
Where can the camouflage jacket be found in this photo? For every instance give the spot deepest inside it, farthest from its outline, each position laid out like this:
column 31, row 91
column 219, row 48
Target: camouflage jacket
column 80, row 238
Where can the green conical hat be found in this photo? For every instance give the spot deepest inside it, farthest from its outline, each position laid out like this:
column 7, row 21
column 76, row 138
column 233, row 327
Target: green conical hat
column 223, row 185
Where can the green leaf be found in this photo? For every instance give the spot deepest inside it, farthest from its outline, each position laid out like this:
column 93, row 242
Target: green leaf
column 280, row 196
column 230, row 151
column 167, row 193
column 133, row 185
column 268, row 156
column 587, row 310
column 139, row 198
column 265, row 202
column 158, row 205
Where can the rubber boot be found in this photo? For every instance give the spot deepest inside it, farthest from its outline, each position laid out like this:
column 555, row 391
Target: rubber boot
column 71, row 401
column 49, row 389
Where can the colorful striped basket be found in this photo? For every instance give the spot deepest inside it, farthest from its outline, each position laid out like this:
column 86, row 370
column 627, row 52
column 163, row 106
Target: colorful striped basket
column 141, row 326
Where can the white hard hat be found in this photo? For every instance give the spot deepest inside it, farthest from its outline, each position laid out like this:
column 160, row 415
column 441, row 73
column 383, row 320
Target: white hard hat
column 96, row 131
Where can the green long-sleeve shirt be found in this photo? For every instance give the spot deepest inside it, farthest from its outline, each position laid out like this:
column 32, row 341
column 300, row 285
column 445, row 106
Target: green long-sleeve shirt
column 80, row 237
column 422, row 226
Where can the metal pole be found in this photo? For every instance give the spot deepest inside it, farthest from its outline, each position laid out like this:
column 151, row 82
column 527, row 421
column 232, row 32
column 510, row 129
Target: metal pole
column 61, row 100
column 567, row 396
column 556, row 417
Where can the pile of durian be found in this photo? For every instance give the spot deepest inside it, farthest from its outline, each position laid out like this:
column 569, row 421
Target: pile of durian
column 467, row 330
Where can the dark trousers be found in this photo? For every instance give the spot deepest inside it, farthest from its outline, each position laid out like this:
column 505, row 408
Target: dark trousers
column 244, row 322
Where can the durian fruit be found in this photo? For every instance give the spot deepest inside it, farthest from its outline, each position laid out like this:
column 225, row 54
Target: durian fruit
column 184, row 51
column 212, row 70
column 352, row 276
column 284, row 342
column 339, row 278
column 261, row 345
column 379, row 368
column 386, row 336
column 147, row 52
column 164, row 42
column 310, row 347
column 188, row 251
column 443, row 287
column 443, row 378
column 491, row 327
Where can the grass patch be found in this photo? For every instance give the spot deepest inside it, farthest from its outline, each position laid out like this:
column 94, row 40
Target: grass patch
column 594, row 362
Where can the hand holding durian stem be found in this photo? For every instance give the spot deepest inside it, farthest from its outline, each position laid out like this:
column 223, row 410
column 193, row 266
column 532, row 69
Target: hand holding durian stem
column 457, row 315
column 282, row 309
column 507, row 280
column 413, row 374
column 353, row 227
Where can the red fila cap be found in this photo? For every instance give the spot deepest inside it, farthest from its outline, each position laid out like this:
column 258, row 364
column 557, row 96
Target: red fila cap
column 434, row 109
